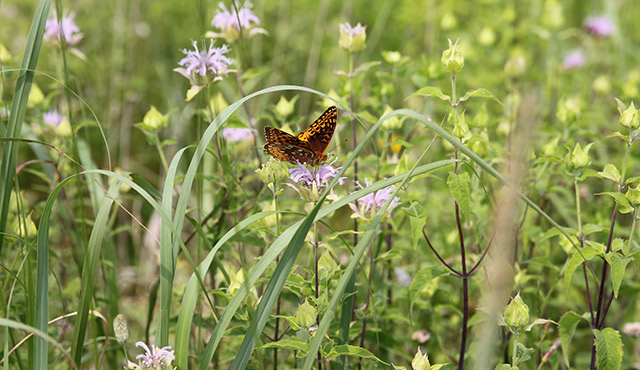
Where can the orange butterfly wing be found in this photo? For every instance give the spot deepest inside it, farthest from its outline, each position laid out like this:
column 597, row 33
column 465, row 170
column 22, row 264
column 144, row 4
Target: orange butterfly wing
column 308, row 146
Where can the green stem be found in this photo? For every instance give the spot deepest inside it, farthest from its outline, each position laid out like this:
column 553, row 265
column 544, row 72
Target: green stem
column 624, row 166
column 163, row 159
column 515, row 348
column 576, row 190
column 633, row 226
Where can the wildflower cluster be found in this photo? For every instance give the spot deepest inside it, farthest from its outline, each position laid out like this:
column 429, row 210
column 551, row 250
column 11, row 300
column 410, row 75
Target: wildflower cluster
column 154, row 358
column 366, row 207
column 310, row 183
column 235, row 24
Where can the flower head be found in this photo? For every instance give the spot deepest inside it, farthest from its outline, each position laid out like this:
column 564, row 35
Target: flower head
column 352, row 38
column 154, row 358
column 367, row 206
column 631, row 329
column 53, row 118
column 234, row 135
column 55, row 30
column 599, row 26
column 232, row 23
column 574, row 59
column 310, row 183
column 204, row 66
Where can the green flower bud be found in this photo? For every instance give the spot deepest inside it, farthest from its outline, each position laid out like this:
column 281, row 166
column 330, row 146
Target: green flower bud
column 120, row 329
column 602, row 85
column 516, row 314
column 515, row 66
column 460, row 128
column 391, row 123
column 633, row 195
column 452, row 58
column 153, row 120
column 420, row 361
column 553, row 17
column 487, row 36
column 629, row 117
column 64, row 128
column 570, row 109
column 5, row 54
column 36, row 97
column 448, row 21
column 326, row 264
column 392, row 57
column 578, row 158
column 306, row 315
column 285, row 107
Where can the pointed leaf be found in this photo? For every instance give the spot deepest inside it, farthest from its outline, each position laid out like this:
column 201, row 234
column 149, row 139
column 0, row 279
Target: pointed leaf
column 293, row 344
column 459, row 188
column 610, row 172
column 608, row 349
column 424, row 277
column 432, row 91
column 618, row 265
column 480, row 93
column 417, row 223
column 355, row 351
column 568, row 324
column 621, row 201
column 588, row 253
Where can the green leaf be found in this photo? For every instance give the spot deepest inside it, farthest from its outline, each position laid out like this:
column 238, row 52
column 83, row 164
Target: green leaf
column 618, row 265
column 567, row 328
column 366, row 66
column 417, row 223
column 459, row 188
column 610, row 172
column 608, row 349
column 432, row 91
column 294, row 344
column 621, row 201
column 504, row 367
column 538, row 322
column 424, row 277
column 146, row 185
column 480, row 93
column 592, row 228
column 619, row 135
column 576, row 260
column 354, row 351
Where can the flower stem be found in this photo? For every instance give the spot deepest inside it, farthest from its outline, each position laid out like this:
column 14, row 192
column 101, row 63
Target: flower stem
column 316, row 244
column 578, row 212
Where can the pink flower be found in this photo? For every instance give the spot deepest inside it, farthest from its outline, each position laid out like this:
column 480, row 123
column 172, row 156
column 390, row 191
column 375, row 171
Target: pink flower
column 204, row 66
column 310, row 183
column 67, row 28
column 599, row 26
column 574, row 59
column 155, row 358
column 234, row 135
column 231, row 23
column 53, row 118
column 367, row 206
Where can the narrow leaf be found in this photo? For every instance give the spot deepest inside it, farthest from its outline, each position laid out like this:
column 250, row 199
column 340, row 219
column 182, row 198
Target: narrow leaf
column 459, row 188
column 432, row 91
column 480, row 93
column 618, row 265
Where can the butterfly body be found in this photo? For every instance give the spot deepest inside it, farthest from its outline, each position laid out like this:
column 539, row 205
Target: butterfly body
column 306, row 147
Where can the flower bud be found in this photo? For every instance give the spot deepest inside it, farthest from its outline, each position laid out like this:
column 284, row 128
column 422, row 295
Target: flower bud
column 452, row 58
column 516, row 314
column 352, row 38
column 120, row 329
column 153, row 120
column 629, row 117
column 392, row 57
column 633, row 195
column 285, row 107
column 420, row 361
column 601, row 85
column 578, row 158
column 487, row 36
column 306, row 315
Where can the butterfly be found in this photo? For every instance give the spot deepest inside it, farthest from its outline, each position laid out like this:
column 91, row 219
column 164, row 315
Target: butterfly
column 306, row 147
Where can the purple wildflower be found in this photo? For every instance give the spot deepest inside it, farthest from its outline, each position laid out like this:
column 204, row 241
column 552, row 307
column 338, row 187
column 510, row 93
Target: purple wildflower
column 403, row 277
column 155, row 358
column 574, row 59
column 352, row 38
column 204, row 66
column 231, row 23
column 367, row 206
column 310, row 183
column 67, row 28
column 599, row 26
column 234, row 135
column 53, row 118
